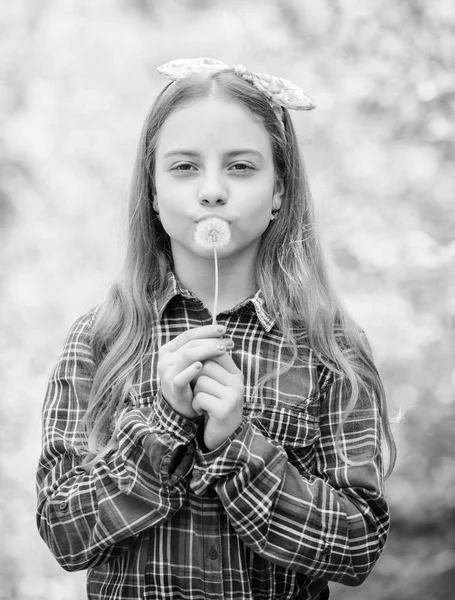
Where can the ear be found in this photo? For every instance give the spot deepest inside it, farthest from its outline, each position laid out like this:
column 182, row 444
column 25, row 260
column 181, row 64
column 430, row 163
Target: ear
column 278, row 195
column 155, row 203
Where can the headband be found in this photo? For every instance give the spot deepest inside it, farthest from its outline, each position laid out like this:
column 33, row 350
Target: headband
column 279, row 91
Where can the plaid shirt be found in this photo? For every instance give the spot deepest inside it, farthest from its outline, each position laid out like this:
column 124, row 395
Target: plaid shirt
column 273, row 513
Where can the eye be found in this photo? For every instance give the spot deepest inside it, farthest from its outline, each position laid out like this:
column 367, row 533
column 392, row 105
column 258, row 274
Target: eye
column 183, row 167
column 242, row 167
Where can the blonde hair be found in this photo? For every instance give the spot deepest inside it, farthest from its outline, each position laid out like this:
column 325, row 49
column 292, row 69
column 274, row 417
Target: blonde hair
column 290, row 270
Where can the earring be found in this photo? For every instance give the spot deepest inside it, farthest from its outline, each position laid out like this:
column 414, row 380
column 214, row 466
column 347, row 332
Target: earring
column 274, row 214
column 157, row 212
column 155, row 207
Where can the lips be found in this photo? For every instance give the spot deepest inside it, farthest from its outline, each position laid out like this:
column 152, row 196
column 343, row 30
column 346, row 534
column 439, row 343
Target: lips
column 212, row 216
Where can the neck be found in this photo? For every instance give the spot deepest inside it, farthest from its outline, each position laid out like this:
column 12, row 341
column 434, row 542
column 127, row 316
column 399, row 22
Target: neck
column 236, row 278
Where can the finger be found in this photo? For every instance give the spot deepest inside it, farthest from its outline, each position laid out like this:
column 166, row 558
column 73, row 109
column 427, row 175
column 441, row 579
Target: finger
column 215, row 371
column 226, row 361
column 210, row 349
column 202, row 402
column 196, row 333
column 198, row 411
column 184, row 378
column 210, row 386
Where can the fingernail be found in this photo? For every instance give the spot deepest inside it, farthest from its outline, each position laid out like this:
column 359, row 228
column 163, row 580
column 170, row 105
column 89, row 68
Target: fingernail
column 221, row 347
column 221, row 329
column 229, row 343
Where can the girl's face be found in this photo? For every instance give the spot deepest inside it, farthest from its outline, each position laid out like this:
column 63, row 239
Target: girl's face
column 213, row 157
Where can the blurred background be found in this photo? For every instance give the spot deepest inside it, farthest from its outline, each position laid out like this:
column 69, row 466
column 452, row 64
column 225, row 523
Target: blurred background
column 76, row 80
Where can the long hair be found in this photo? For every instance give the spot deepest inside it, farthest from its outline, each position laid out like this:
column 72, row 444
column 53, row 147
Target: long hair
column 290, row 270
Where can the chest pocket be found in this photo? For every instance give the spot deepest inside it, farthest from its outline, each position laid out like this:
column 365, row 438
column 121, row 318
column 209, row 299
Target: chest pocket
column 293, row 427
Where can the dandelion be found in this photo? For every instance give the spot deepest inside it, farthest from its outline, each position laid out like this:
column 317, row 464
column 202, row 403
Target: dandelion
column 214, row 233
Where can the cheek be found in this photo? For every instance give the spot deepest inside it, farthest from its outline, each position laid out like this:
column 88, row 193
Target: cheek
column 166, row 199
column 174, row 194
column 256, row 219
column 259, row 203
column 164, row 187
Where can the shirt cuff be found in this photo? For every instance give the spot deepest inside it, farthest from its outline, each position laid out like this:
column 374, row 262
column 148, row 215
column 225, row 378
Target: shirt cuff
column 207, row 456
column 233, row 456
column 161, row 437
column 181, row 427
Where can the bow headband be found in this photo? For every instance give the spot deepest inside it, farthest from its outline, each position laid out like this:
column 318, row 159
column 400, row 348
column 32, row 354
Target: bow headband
column 279, row 91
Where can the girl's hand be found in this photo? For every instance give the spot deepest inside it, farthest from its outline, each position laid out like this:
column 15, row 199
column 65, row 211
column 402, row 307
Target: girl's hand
column 180, row 361
column 219, row 394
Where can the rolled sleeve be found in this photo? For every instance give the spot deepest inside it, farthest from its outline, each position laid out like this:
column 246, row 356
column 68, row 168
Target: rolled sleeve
column 88, row 516
column 329, row 524
column 161, row 437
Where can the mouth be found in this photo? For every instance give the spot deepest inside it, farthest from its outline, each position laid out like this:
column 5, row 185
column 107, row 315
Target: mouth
column 214, row 216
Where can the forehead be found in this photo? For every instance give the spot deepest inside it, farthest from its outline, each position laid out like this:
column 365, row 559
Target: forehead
column 213, row 123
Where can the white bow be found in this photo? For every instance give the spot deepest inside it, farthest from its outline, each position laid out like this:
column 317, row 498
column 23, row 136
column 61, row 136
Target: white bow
column 278, row 90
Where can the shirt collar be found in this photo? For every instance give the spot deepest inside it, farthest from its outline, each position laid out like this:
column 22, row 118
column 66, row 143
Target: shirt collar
column 174, row 288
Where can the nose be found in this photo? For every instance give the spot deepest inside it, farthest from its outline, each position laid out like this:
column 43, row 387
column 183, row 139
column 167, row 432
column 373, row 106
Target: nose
column 212, row 191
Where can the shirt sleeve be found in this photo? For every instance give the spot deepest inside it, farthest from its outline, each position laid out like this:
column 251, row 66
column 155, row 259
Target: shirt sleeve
column 88, row 517
column 331, row 523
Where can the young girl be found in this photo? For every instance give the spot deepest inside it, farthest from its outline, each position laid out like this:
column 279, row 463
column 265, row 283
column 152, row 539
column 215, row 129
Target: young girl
column 239, row 459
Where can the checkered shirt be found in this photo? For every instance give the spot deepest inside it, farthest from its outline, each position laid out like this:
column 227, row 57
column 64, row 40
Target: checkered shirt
column 273, row 513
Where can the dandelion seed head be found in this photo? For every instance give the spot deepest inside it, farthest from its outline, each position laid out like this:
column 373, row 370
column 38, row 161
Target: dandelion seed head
column 213, row 232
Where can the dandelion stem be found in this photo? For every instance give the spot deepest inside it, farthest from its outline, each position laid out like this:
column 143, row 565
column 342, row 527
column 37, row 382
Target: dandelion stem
column 215, row 300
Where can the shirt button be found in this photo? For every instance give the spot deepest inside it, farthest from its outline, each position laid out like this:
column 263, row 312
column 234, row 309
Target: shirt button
column 326, row 551
column 213, row 554
column 188, row 429
column 64, row 506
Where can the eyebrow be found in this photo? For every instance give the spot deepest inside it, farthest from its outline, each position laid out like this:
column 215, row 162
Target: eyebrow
column 230, row 154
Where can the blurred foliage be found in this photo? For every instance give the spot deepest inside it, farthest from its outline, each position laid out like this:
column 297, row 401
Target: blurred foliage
column 76, row 79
